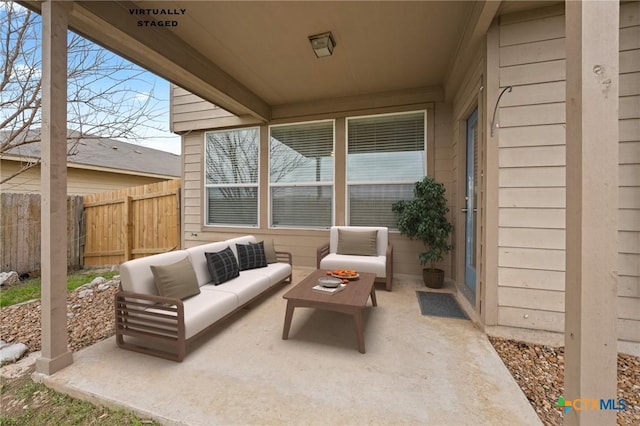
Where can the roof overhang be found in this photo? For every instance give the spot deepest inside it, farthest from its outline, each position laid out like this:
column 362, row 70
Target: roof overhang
column 254, row 59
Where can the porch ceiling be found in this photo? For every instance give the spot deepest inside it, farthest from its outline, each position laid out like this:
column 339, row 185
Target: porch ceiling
column 252, row 58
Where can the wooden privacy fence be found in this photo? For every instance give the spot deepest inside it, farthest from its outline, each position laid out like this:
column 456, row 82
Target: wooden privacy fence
column 130, row 223
column 20, row 232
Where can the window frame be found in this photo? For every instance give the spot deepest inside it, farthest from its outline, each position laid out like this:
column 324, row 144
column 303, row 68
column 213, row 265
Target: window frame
column 271, row 185
column 348, row 184
column 206, row 186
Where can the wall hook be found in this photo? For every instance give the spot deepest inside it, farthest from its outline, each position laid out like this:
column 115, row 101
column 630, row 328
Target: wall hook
column 495, row 108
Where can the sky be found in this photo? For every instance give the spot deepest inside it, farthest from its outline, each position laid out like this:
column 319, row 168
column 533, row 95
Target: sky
column 157, row 139
column 134, row 88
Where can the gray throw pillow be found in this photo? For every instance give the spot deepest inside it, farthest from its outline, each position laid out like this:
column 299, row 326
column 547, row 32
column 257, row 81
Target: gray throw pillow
column 251, row 256
column 177, row 280
column 269, row 250
column 360, row 243
column 222, row 265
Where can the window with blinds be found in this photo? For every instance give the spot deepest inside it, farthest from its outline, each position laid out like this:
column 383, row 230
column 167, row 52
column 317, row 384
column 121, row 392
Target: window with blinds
column 386, row 155
column 301, row 175
column 231, row 177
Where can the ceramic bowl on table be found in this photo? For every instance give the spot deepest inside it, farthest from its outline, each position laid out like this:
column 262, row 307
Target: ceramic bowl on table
column 329, row 282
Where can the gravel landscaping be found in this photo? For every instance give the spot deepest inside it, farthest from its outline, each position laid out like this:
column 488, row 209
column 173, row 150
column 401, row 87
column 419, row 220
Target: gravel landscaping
column 539, row 370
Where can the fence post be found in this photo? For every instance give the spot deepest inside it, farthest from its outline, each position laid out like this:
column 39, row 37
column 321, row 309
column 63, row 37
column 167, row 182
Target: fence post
column 128, row 226
column 179, row 217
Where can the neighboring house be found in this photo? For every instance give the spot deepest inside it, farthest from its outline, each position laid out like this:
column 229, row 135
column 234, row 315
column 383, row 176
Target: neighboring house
column 279, row 143
column 94, row 165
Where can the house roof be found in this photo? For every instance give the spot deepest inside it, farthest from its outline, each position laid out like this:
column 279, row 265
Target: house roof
column 108, row 154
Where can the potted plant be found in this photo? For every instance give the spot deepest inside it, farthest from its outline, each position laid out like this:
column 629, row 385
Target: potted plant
column 424, row 218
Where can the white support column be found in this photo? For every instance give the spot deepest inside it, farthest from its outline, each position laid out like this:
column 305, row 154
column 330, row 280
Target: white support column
column 592, row 208
column 55, row 353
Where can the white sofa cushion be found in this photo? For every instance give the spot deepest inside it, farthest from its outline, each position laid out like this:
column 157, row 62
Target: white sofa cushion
column 374, row 264
column 276, row 272
column 383, row 237
column 136, row 275
column 204, row 309
column 246, row 239
column 199, row 261
column 248, row 285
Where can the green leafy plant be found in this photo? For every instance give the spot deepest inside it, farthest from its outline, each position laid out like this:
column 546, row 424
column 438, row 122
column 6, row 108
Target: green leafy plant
column 425, row 219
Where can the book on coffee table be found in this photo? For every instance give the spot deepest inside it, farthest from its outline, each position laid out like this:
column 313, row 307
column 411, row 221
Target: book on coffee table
column 329, row 290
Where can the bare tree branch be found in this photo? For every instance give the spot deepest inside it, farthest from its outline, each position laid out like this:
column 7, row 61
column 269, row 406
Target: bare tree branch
column 107, row 96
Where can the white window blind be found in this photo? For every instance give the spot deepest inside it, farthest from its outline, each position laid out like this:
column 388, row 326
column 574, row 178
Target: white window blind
column 231, row 177
column 301, row 175
column 385, row 157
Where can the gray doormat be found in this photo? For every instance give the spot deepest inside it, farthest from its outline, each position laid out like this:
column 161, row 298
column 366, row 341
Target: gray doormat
column 439, row 305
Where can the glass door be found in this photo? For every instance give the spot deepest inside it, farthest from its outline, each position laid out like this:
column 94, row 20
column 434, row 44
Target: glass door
column 471, row 207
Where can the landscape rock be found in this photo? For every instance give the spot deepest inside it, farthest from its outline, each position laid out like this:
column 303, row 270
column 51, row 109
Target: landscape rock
column 97, row 281
column 84, row 293
column 8, row 279
column 11, row 352
column 104, row 286
column 20, row 368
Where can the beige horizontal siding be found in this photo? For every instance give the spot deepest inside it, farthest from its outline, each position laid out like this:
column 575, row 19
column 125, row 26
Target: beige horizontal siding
column 532, row 258
column 534, row 319
column 532, row 94
column 629, row 178
column 527, row 298
column 629, row 220
column 79, row 181
column 532, row 238
column 522, row 177
column 629, row 286
column 547, row 28
column 549, row 218
column 532, row 278
column 628, row 242
column 532, row 156
column 532, row 174
column 532, row 115
column 532, row 197
column 629, row 84
column 552, row 134
column 532, row 73
column 539, row 51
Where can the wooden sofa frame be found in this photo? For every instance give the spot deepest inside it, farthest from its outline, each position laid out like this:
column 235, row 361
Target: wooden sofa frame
column 164, row 326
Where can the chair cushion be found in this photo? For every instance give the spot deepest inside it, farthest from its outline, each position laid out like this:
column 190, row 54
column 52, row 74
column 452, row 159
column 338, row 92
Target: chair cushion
column 374, row 264
column 251, row 256
column 359, row 243
column 176, row 280
column 222, row 265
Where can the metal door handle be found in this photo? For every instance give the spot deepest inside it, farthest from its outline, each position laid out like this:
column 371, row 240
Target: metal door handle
column 465, row 210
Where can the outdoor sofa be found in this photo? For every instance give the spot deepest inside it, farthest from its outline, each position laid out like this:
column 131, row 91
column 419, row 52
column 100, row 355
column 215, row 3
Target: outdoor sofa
column 166, row 301
column 362, row 248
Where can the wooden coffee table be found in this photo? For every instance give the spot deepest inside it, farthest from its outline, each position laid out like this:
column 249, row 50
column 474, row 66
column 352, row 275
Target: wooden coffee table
column 352, row 300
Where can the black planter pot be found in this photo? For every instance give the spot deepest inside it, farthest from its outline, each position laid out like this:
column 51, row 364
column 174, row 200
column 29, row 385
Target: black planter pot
column 433, row 278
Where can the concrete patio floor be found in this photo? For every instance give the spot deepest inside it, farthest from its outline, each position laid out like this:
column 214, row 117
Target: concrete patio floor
column 416, row 370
